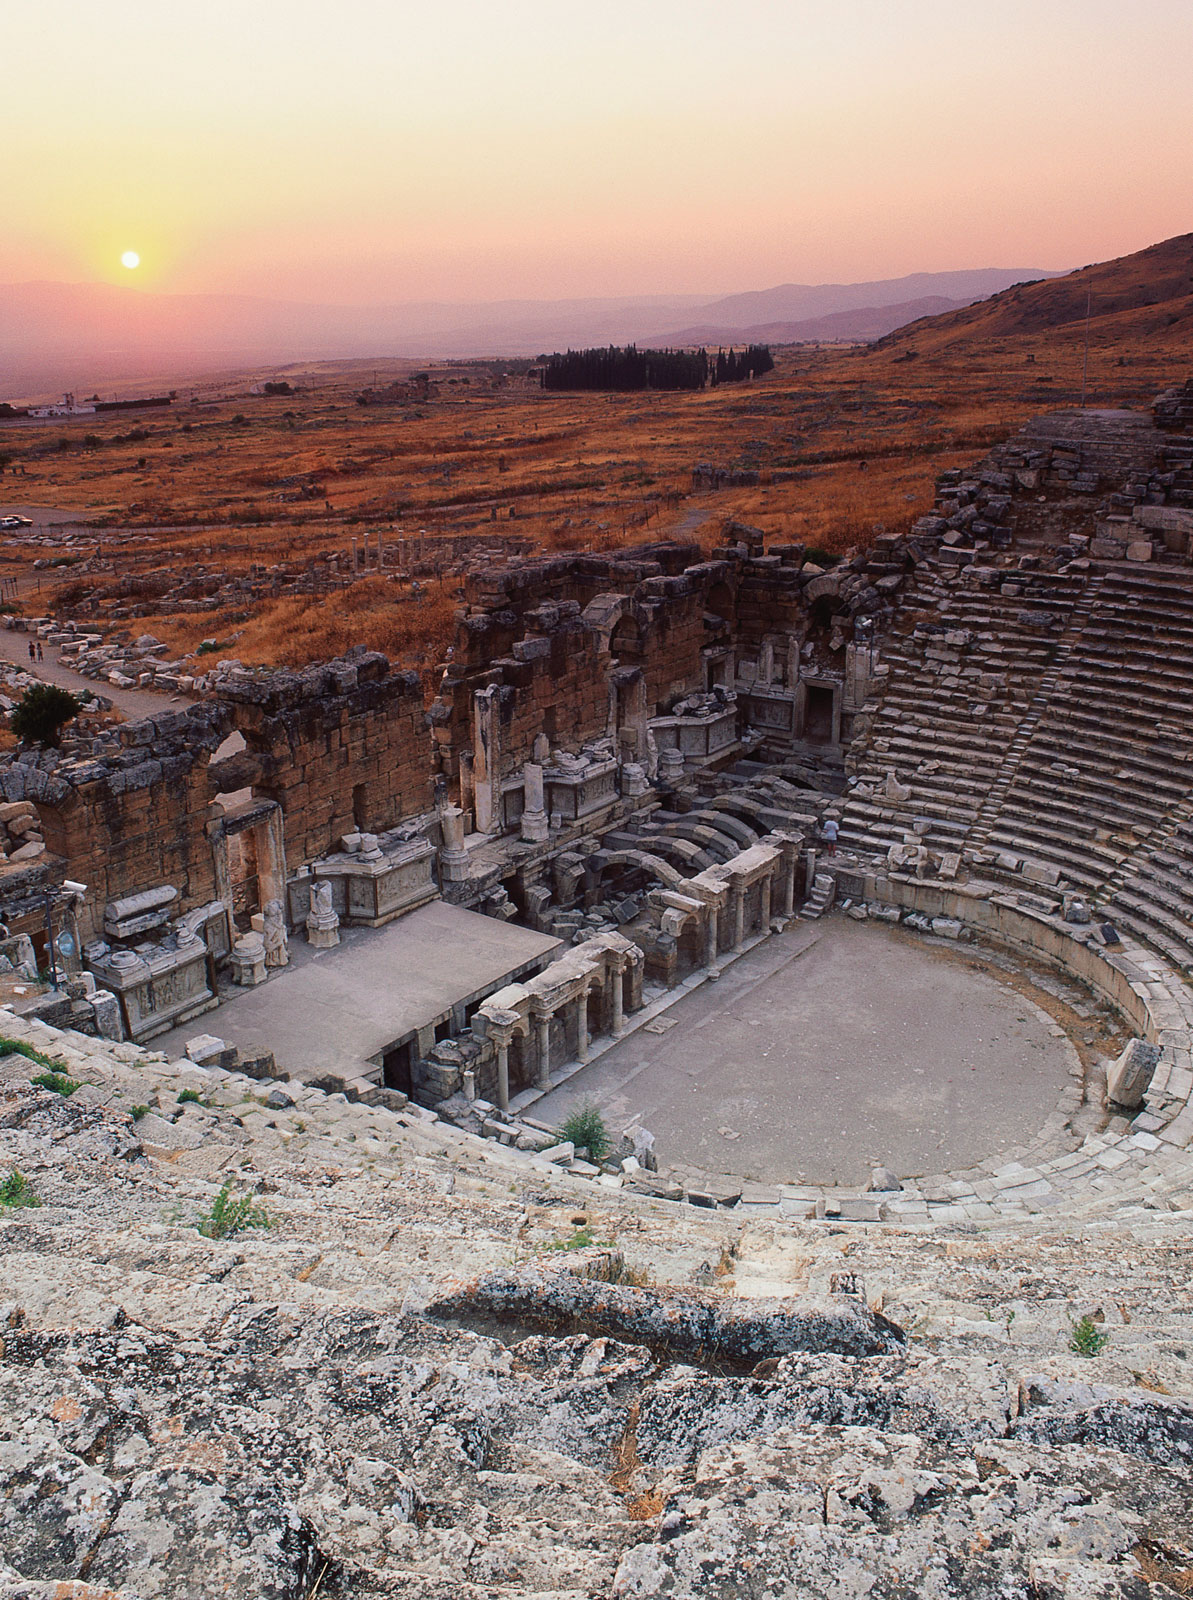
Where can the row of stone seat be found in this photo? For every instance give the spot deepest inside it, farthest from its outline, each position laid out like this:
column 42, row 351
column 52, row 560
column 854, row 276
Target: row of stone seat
column 944, row 727
column 1096, row 780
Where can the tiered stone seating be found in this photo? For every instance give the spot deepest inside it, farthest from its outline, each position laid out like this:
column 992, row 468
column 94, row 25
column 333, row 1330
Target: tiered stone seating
column 1107, row 761
column 1155, row 900
column 958, row 691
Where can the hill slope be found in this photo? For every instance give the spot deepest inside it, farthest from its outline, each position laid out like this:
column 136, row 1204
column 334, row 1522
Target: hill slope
column 1131, row 297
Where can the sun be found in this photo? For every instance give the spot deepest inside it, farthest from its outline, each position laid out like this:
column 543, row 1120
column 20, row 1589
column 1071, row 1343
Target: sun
column 130, row 259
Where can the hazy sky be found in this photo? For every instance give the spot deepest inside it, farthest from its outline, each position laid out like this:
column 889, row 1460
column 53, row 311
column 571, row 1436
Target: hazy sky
column 359, row 150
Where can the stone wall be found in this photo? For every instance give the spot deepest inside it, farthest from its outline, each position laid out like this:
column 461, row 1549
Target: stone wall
column 134, row 816
column 339, row 746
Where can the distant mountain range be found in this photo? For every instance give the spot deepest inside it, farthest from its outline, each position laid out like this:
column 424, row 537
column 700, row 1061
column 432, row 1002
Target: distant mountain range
column 76, row 335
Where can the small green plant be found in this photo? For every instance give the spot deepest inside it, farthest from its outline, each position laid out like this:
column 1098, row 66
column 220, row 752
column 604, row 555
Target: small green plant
column 137, row 1112
column 586, row 1129
column 228, row 1216
column 1087, row 1338
column 190, row 1097
column 57, row 1081
column 16, row 1190
column 18, row 1047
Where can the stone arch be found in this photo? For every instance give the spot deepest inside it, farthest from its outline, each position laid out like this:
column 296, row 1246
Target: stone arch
column 627, row 641
column 603, row 613
column 652, row 864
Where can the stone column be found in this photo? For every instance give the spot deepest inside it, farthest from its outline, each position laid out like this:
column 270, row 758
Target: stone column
column 486, row 759
column 764, row 920
column 453, row 858
column 711, row 939
column 542, row 1023
column 790, row 861
column 502, row 1037
column 582, row 1027
column 739, row 914
column 534, row 818
column 766, row 664
column 617, row 1015
column 503, row 1074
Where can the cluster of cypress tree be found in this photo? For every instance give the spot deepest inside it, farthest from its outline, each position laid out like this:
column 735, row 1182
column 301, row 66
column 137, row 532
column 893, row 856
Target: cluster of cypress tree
column 730, row 367
column 631, row 368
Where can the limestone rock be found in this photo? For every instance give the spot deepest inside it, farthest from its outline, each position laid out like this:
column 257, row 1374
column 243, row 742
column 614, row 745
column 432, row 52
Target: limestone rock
column 1130, row 1074
column 883, row 1179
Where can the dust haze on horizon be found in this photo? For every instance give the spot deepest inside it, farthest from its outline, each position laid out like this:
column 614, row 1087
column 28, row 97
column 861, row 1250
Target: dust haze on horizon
column 384, row 153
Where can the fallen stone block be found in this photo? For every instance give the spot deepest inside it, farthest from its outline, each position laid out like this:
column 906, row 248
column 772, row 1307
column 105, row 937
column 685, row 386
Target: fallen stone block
column 205, row 1050
column 651, row 1183
column 1130, row 1074
column 258, row 1063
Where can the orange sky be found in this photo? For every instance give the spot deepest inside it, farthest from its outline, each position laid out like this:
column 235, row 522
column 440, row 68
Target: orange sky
column 379, row 150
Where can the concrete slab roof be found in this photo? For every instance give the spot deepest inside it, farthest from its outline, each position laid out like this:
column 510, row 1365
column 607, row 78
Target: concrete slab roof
column 334, row 1011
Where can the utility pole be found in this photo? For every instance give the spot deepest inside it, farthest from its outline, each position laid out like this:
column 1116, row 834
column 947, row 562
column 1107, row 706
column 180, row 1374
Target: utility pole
column 1089, row 300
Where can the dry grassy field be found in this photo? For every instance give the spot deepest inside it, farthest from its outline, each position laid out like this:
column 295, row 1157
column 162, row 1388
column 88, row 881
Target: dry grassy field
column 844, row 441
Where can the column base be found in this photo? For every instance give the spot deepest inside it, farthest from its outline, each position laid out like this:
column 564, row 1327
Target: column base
column 535, row 827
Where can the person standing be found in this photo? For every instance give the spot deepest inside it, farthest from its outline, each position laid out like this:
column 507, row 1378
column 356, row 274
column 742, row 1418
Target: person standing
column 829, row 829
column 32, row 651
column 41, row 655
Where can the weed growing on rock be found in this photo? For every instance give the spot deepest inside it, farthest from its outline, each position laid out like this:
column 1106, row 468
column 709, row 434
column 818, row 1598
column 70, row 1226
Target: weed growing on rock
column 18, row 1047
column 586, row 1129
column 57, row 1081
column 16, row 1190
column 190, row 1097
column 1087, row 1338
column 228, row 1216
column 137, row 1112
column 582, row 1239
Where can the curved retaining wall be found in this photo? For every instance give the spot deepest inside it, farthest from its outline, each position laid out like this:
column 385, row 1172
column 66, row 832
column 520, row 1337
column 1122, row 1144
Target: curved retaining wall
column 1134, row 1158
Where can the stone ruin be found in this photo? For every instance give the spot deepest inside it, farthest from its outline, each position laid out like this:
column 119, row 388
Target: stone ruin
column 479, row 1366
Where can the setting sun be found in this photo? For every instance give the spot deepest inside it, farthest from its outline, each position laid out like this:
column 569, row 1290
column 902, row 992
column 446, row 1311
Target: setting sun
column 130, row 259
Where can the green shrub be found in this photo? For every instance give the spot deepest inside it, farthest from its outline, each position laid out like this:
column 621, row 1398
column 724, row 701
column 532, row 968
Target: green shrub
column 138, row 1112
column 16, row 1190
column 18, row 1047
column 41, row 713
column 1087, row 1338
column 190, row 1097
column 228, row 1216
column 587, row 1131
column 58, row 1082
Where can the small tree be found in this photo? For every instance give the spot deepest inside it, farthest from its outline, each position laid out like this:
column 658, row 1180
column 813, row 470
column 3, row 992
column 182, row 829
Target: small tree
column 41, row 714
column 586, row 1130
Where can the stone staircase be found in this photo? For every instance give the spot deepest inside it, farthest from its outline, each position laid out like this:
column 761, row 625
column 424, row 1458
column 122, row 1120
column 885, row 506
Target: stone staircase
column 821, row 898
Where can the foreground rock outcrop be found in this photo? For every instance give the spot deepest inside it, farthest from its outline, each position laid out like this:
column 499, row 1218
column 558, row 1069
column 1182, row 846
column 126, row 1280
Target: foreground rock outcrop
column 435, row 1374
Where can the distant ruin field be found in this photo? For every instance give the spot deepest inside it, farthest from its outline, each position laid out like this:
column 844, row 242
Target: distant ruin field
column 836, row 443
